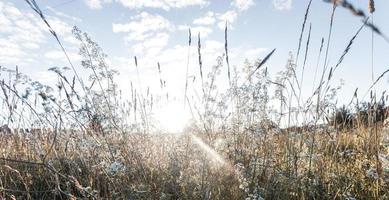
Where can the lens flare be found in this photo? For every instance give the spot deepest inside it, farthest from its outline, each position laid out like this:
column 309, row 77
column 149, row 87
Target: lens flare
column 172, row 118
column 207, row 149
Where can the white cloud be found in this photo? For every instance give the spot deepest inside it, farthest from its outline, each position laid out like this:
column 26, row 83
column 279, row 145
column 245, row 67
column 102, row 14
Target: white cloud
column 213, row 47
column 24, row 35
column 59, row 55
column 242, row 4
column 19, row 27
column 45, row 77
column 61, row 14
column 9, row 9
column 173, row 61
column 208, row 19
column 228, row 17
column 54, row 55
column 142, row 26
column 61, row 28
column 30, row 45
column 146, row 33
column 282, row 4
column 9, row 49
column 140, row 4
column 96, row 4
column 71, row 40
column 152, row 46
column 204, row 31
column 93, row 4
column 19, row 32
column 163, row 4
column 254, row 53
column 211, row 18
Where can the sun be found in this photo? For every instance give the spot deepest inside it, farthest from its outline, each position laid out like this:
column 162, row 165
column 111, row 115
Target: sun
column 172, row 118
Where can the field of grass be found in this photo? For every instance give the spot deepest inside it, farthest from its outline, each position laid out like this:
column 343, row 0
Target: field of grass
column 196, row 165
column 79, row 139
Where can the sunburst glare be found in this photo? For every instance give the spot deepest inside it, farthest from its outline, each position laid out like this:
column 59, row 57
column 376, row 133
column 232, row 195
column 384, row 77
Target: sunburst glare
column 172, row 117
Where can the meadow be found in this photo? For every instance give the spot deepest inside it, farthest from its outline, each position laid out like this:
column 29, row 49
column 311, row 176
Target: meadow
column 80, row 139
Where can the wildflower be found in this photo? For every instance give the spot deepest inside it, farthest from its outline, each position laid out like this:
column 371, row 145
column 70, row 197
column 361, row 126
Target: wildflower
column 372, row 173
column 115, row 167
column 220, row 144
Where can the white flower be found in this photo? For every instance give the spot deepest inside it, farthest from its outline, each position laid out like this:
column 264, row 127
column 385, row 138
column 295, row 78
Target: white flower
column 115, row 167
column 372, row 173
column 220, row 144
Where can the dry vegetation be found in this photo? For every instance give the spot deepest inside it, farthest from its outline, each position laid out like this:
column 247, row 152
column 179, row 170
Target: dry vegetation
column 81, row 140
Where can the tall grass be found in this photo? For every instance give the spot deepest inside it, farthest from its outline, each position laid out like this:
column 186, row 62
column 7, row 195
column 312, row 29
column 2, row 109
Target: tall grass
column 79, row 139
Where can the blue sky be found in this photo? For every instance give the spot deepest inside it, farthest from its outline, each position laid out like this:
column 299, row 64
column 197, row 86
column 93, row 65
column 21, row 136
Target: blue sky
column 156, row 31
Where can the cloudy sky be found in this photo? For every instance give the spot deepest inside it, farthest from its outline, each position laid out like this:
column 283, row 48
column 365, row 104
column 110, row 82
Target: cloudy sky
column 157, row 31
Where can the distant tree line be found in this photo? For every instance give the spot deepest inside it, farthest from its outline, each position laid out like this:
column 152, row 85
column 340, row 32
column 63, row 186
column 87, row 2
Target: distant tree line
column 365, row 115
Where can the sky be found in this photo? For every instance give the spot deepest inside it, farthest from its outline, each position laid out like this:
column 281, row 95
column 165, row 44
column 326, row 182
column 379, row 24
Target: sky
column 157, row 31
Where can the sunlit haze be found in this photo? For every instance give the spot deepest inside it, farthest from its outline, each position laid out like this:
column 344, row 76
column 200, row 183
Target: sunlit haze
column 194, row 99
